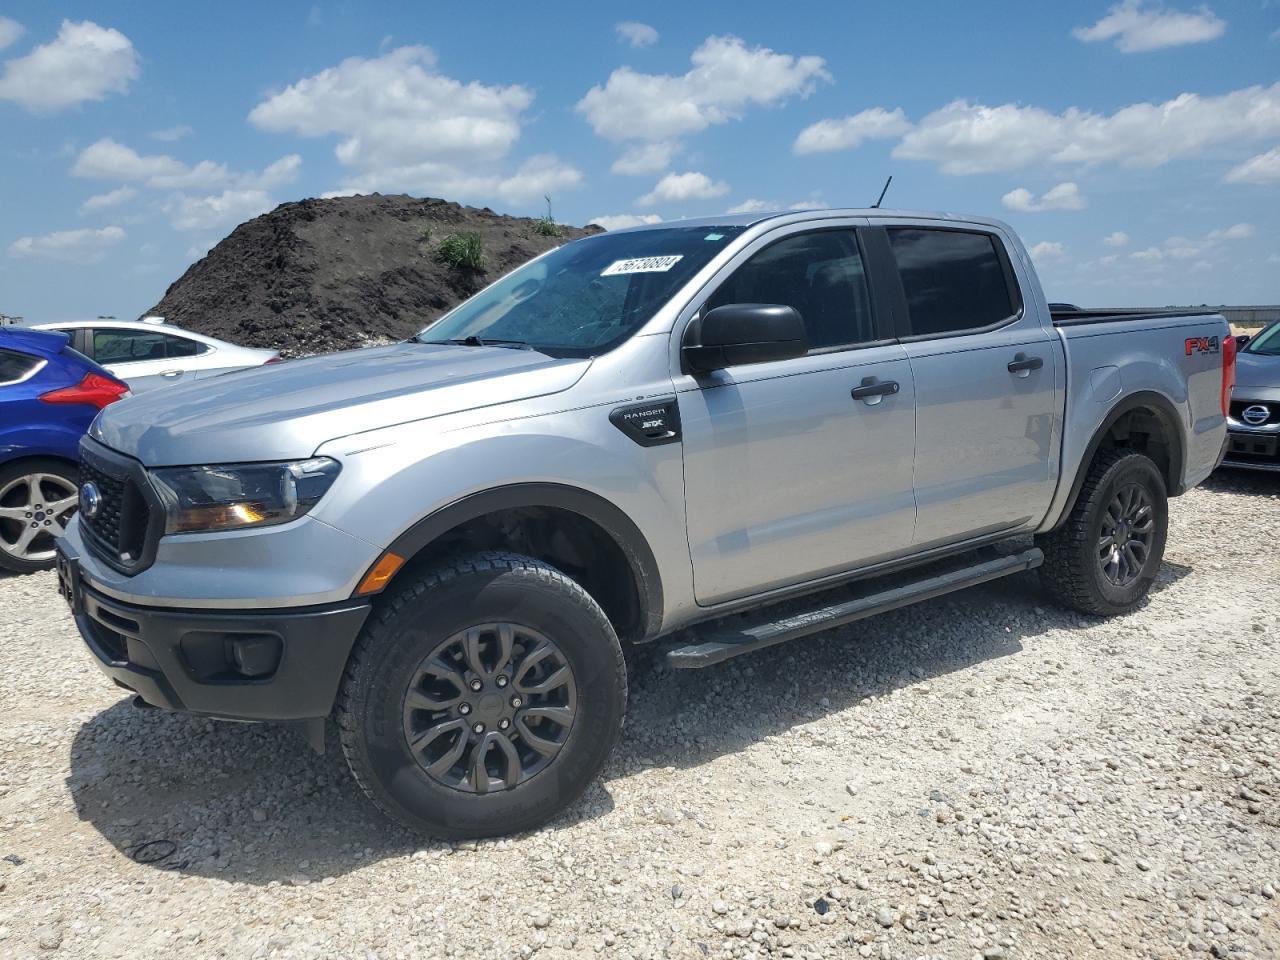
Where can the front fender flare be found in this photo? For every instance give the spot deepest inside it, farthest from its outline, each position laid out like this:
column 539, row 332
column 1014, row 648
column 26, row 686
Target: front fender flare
column 611, row 519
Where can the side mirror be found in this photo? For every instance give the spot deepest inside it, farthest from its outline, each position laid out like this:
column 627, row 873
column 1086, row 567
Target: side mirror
column 739, row 333
column 1242, row 339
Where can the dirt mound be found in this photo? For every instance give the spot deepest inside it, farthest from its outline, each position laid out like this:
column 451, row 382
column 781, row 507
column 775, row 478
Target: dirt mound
column 321, row 275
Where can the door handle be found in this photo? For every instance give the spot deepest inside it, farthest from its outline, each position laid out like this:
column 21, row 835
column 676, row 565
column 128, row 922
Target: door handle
column 874, row 388
column 1021, row 363
column 170, row 373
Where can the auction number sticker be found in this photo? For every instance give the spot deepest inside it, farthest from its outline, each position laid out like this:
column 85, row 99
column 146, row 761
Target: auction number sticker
column 642, row 265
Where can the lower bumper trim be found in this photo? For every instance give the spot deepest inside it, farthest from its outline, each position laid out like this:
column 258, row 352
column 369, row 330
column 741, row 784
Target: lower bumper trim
column 193, row 661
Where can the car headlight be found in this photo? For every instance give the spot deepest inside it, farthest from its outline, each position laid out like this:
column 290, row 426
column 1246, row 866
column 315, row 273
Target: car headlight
column 234, row 495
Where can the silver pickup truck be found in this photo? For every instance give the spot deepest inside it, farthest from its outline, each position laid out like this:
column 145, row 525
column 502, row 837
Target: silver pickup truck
column 711, row 435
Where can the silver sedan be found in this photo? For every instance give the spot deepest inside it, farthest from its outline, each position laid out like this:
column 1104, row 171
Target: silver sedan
column 151, row 353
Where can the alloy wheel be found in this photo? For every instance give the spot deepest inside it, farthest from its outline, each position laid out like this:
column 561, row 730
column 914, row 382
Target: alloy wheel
column 1128, row 527
column 34, row 510
column 489, row 707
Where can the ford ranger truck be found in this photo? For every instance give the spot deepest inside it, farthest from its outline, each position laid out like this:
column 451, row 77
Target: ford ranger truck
column 799, row 419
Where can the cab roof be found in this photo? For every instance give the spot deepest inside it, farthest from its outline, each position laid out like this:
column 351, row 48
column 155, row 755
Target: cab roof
column 799, row 216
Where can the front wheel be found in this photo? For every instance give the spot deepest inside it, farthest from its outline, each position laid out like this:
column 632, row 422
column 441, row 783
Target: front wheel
column 482, row 697
column 37, row 498
column 1105, row 557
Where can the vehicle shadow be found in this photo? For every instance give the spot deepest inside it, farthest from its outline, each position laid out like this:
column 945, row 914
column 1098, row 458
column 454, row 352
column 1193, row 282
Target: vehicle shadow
column 1253, row 482
column 252, row 803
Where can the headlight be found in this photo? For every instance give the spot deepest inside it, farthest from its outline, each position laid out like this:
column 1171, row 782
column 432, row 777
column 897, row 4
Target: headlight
column 228, row 496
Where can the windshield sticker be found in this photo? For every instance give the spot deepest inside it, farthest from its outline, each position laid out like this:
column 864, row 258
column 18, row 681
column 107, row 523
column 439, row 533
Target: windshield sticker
column 642, row 265
column 714, row 236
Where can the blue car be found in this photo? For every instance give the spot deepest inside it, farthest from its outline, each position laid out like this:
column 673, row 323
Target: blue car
column 49, row 394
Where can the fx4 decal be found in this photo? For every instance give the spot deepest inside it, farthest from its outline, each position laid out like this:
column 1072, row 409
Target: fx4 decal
column 1201, row 345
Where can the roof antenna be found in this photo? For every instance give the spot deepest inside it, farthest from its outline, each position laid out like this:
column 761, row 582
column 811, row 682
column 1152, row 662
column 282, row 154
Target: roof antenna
column 876, row 205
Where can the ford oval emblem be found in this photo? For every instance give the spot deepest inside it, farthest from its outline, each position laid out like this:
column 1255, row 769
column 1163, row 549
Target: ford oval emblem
column 90, row 500
column 1256, row 415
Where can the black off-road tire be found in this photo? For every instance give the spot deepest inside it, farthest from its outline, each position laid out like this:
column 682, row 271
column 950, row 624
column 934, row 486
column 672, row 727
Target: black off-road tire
column 1073, row 572
column 408, row 623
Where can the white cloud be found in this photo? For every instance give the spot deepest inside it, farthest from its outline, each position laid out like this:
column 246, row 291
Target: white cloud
column 170, row 134
column 965, row 138
column 727, row 77
column 753, row 206
column 678, row 187
column 1047, row 250
column 71, row 246
column 108, row 160
column 645, row 158
column 1136, row 26
column 1264, row 168
column 848, row 133
column 85, row 62
column 402, row 125
column 537, row 176
column 1185, row 248
column 1117, row 239
column 636, row 34
column 1065, row 196
column 104, row 201
column 620, row 221
column 10, row 31
column 219, row 210
column 1239, row 231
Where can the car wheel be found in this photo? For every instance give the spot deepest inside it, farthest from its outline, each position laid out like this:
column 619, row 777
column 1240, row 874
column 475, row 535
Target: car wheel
column 37, row 498
column 1106, row 556
column 482, row 697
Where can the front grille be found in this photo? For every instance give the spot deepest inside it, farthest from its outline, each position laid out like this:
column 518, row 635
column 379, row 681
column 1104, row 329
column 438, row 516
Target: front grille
column 118, row 531
column 1238, row 407
column 106, row 523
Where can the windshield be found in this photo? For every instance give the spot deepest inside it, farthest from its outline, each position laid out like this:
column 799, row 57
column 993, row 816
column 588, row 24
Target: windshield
column 1266, row 343
column 586, row 297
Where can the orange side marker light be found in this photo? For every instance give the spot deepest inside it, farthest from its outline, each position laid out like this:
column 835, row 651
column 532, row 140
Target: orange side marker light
column 381, row 574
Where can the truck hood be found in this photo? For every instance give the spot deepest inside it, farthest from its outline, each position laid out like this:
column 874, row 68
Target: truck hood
column 1258, row 370
column 285, row 411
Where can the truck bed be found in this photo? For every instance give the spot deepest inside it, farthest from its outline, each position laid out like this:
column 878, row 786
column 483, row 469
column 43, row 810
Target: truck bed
column 1071, row 318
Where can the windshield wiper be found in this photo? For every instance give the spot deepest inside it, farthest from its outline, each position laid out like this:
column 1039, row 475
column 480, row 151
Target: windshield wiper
column 474, row 341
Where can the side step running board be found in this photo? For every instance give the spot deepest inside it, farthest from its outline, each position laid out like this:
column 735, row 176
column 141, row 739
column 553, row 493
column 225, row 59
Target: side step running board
column 722, row 640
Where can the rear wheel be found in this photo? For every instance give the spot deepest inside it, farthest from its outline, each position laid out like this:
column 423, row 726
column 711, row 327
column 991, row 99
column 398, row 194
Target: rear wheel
column 37, row 498
column 1106, row 556
column 482, row 697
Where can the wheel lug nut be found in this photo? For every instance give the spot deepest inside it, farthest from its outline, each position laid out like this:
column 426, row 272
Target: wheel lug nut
column 476, row 685
column 517, row 702
column 502, row 681
column 503, row 724
column 478, row 728
column 464, row 708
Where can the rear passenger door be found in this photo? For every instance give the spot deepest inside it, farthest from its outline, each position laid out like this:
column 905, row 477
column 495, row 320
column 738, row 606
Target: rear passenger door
column 796, row 469
column 144, row 359
column 983, row 367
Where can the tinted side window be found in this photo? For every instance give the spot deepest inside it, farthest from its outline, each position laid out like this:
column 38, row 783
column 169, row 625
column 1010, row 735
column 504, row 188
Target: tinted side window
column 953, row 280
column 14, row 366
column 182, row 347
column 820, row 274
column 126, row 346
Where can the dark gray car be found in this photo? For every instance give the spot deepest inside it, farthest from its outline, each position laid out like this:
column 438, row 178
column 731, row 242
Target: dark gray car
column 1254, row 423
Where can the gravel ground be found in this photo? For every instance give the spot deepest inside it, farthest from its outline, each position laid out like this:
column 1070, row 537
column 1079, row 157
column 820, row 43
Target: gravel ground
column 982, row 776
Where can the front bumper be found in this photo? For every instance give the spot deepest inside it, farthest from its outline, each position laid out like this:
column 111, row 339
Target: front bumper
column 239, row 665
column 1252, row 449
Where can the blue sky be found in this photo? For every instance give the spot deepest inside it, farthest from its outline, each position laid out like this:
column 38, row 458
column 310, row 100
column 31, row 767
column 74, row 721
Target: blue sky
column 1134, row 145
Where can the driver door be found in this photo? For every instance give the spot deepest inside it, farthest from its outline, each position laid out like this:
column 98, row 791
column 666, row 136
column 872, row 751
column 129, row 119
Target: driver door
column 790, row 477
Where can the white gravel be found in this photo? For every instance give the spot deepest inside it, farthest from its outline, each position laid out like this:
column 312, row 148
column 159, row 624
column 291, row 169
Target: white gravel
column 982, row 776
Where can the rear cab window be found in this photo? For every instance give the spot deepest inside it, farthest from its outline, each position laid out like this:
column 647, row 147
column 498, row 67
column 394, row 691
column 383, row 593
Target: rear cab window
column 954, row 281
